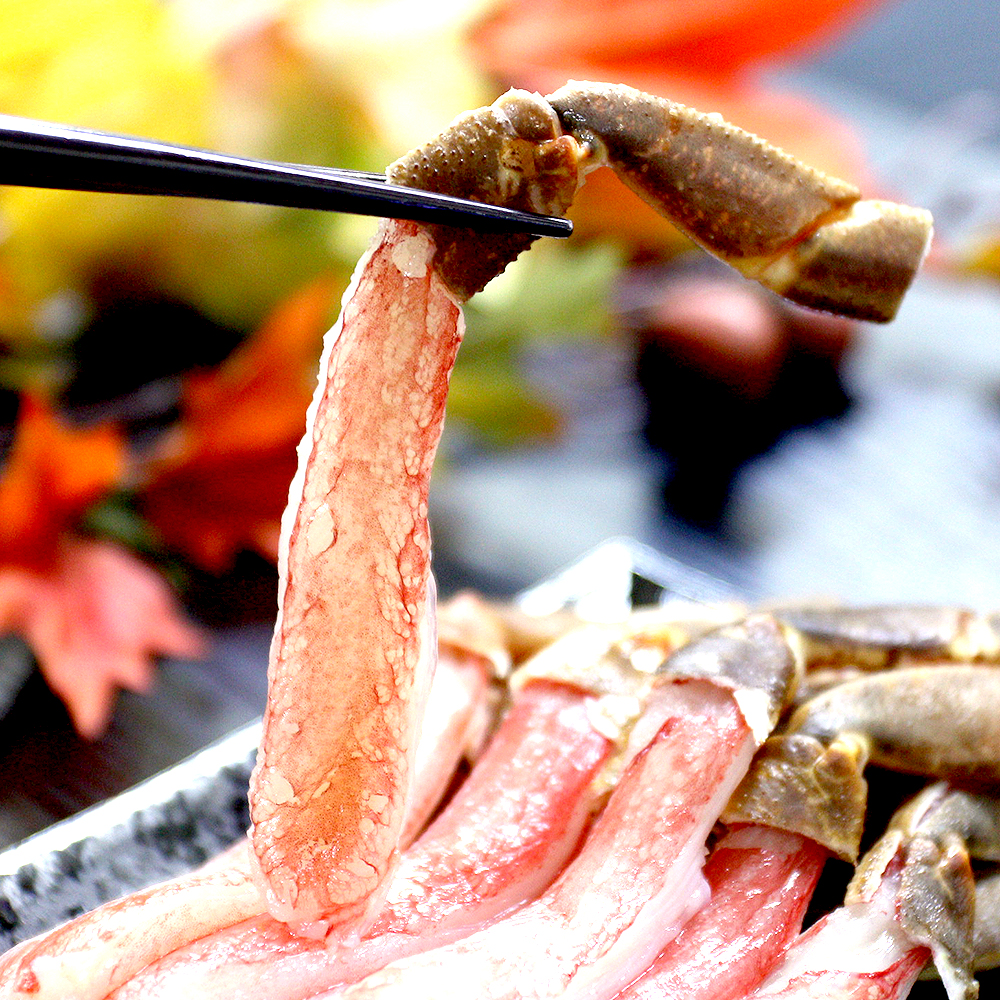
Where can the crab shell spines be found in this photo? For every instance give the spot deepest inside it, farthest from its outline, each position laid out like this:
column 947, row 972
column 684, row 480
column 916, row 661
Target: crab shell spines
column 512, row 153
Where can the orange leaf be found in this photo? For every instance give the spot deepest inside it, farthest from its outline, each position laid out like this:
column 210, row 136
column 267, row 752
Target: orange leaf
column 220, row 483
column 713, row 39
column 54, row 472
column 94, row 620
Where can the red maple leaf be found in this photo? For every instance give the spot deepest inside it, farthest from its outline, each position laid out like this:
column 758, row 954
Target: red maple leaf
column 93, row 614
column 219, row 483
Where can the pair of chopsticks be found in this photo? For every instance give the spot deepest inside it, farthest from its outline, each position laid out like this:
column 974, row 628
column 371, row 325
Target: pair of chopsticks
column 47, row 155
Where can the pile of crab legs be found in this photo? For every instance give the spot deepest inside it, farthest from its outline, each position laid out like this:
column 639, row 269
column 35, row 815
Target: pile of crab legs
column 650, row 803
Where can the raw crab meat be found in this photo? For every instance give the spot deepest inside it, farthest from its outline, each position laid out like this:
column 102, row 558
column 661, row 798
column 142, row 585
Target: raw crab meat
column 662, row 724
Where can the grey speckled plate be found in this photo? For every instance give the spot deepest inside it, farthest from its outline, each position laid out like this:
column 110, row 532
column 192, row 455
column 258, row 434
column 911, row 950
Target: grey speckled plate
column 180, row 818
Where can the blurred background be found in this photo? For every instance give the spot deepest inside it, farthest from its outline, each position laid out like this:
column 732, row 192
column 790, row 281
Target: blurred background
column 157, row 356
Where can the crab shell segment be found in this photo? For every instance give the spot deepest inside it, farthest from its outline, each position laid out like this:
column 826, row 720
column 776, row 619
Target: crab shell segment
column 512, row 153
column 934, row 837
column 797, row 231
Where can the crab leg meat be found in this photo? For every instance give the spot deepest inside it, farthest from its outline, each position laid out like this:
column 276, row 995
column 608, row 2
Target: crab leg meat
column 349, row 666
column 499, row 842
column 911, row 898
column 637, row 878
column 761, row 880
column 504, row 836
column 88, row 957
column 471, row 653
column 857, row 952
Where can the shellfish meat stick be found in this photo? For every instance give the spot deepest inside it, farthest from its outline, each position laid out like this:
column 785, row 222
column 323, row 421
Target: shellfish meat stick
column 500, row 840
column 912, row 897
column 857, row 952
column 346, row 679
column 88, row 957
column 327, row 794
column 761, row 880
column 471, row 655
column 637, row 878
column 762, row 877
column 100, row 950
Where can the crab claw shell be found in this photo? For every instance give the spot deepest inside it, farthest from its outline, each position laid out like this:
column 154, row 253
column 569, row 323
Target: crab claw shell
column 859, row 264
column 511, row 153
column 796, row 783
column 878, row 636
column 940, row 721
column 935, row 834
column 797, row 231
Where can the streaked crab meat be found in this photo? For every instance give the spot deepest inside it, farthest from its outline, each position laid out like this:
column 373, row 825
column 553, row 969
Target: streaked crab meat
column 912, row 898
column 638, row 876
column 500, row 841
column 761, row 880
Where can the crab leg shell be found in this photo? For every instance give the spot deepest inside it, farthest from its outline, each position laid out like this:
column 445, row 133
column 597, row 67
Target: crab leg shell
column 935, row 835
column 798, row 784
column 882, row 636
column 940, row 721
column 986, row 930
column 799, row 232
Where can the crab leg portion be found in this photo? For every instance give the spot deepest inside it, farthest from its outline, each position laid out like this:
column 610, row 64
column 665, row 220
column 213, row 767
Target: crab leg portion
column 857, row 952
column 500, row 841
column 637, row 878
column 912, row 897
column 874, row 638
column 761, row 880
column 347, row 678
column 471, row 655
column 803, row 234
column 88, row 957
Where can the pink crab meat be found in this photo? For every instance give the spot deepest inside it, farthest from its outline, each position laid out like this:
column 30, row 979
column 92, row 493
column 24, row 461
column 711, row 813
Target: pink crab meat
column 635, row 882
column 103, row 949
column 761, row 880
column 88, row 957
column 328, row 795
column 500, row 841
column 471, row 653
column 857, row 952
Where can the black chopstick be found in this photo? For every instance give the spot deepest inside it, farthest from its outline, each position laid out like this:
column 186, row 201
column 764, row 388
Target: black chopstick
column 48, row 155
